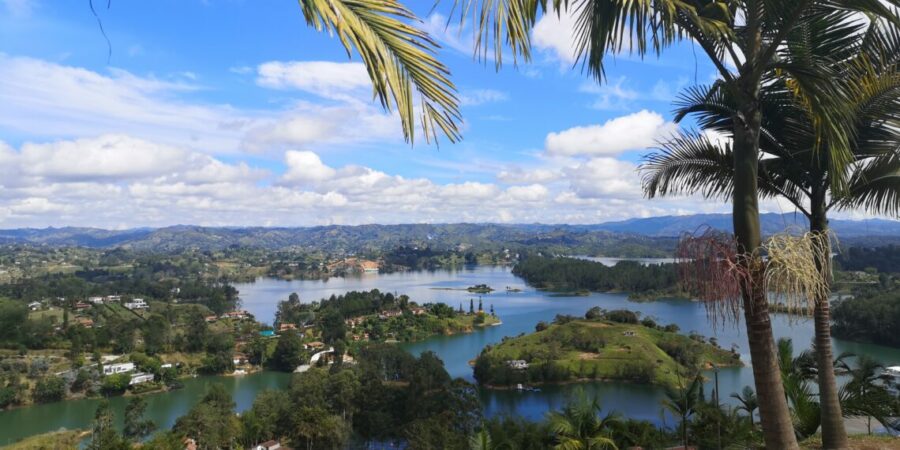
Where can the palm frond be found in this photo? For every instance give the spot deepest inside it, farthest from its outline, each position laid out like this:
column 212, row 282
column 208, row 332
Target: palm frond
column 400, row 60
column 688, row 164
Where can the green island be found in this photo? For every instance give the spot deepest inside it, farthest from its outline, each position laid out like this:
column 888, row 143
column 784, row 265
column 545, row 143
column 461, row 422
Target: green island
column 606, row 345
column 480, row 289
column 568, row 277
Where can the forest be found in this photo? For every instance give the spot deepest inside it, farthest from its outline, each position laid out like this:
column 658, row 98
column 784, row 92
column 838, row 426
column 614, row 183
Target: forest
column 572, row 274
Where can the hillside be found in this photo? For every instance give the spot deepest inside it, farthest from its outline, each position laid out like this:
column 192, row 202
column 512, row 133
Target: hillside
column 583, row 350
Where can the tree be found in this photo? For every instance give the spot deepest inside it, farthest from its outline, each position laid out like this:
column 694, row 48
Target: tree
column 136, row 426
column 211, row 422
column 471, row 306
column 579, row 426
column 49, row 389
column 683, row 403
column 790, row 166
column 288, row 352
column 747, row 399
column 103, row 431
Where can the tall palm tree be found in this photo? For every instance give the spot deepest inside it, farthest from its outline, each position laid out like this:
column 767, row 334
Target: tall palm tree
column 579, row 426
column 790, row 167
column 747, row 399
column 750, row 34
column 399, row 57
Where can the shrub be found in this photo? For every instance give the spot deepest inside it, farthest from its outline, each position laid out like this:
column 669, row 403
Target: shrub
column 49, row 389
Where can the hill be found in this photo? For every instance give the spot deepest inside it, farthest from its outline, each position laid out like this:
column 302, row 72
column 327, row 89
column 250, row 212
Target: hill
column 582, row 350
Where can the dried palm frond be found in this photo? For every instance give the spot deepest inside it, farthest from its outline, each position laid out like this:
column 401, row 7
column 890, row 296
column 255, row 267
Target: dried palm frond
column 792, row 273
column 708, row 268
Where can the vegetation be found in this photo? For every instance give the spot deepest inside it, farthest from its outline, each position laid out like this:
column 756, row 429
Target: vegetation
column 610, row 346
column 869, row 317
column 572, row 274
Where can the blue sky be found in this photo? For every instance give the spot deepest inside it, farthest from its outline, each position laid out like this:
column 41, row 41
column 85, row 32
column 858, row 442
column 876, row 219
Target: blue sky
column 236, row 113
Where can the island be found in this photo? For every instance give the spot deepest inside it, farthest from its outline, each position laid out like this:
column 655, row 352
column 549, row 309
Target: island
column 568, row 277
column 480, row 289
column 607, row 345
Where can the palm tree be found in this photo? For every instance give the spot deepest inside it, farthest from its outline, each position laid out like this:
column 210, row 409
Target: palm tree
column 683, row 402
column 864, row 395
column 399, row 57
column 747, row 33
column 747, row 399
column 580, row 427
column 792, row 169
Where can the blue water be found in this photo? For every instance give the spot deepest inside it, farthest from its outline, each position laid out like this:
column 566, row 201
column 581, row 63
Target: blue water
column 521, row 311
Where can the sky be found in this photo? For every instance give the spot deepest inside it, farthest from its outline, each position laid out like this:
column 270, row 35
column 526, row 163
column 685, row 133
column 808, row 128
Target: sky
column 235, row 113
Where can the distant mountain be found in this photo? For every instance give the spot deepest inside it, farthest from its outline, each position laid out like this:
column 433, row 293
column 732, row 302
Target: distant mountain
column 653, row 236
column 771, row 223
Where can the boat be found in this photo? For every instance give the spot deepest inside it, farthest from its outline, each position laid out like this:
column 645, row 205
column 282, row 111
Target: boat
column 519, row 387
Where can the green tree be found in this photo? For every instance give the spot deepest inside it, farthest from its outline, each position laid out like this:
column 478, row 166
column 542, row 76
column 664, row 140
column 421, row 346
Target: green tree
column 747, row 399
column 579, row 426
column 682, row 402
column 136, row 426
column 49, row 389
column 288, row 352
column 211, row 422
column 103, row 431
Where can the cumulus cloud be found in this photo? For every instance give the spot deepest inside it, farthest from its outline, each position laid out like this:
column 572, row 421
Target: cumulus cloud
column 304, row 166
column 632, row 132
column 323, row 78
column 556, row 35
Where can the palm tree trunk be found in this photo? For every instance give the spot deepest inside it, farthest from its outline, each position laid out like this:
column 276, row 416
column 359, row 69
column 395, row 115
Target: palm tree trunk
column 774, row 415
column 834, row 436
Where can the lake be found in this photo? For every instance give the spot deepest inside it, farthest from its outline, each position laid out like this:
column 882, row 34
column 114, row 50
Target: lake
column 519, row 311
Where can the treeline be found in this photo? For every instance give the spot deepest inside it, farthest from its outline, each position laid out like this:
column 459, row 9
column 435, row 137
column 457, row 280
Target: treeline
column 561, row 273
column 872, row 316
column 885, row 259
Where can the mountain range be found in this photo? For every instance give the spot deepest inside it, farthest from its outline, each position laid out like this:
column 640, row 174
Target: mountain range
column 643, row 232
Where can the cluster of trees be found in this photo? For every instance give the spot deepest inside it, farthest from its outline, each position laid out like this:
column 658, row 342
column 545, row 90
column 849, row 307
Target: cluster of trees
column 576, row 274
column 869, row 317
column 884, row 259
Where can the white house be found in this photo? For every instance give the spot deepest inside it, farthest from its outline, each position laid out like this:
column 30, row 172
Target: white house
column 34, row 306
column 114, row 298
column 96, row 300
column 137, row 303
column 140, row 377
column 118, row 368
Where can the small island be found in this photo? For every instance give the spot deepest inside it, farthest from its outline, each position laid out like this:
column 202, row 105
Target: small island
column 480, row 289
column 606, row 345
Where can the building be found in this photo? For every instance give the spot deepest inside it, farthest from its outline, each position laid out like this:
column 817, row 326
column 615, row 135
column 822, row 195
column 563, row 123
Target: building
column 286, row 326
column 81, row 305
column 141, row 377
column 96, row 300
column 211, row 319
column 137, row 303
column 86, row 322
column 113, row 369
column 391, row 313
column 354, row 322
column 417, row 310
column 34, row 306
column 314, row 345
column 114, row 298
column 239, row 358
column 628, row 333
column 517, row 364
column 237, row 315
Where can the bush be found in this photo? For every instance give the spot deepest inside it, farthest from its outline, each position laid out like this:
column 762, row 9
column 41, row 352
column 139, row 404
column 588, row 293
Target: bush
column 49, row 389
column 116, row 384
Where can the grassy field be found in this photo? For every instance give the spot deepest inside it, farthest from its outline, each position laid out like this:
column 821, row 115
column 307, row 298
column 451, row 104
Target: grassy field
column 583, row 350
column 859, row 442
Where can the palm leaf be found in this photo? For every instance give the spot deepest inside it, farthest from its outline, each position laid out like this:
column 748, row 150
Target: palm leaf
column 399, row 57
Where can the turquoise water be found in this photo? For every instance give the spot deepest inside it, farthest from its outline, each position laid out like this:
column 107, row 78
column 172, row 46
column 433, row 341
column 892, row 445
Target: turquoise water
column 519, row 311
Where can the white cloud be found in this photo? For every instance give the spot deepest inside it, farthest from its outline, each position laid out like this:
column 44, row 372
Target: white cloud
column 322, row 78
column 605, row 178
column 632, row 132
column 304, row 166
column 556, row 34
column 481, row 96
